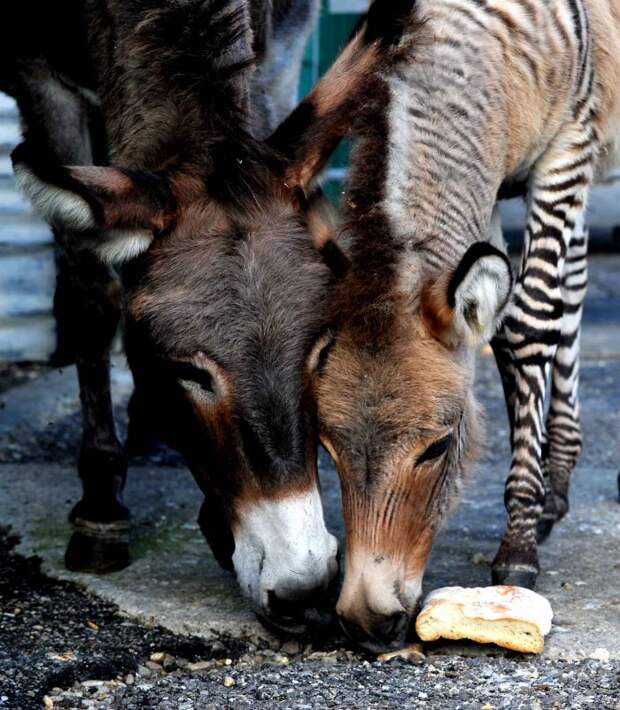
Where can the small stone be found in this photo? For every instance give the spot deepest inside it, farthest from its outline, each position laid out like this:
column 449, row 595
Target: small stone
column 169, row 662
column 48, row 703
column 92, row 683
column 330, row 658
column 157, row 657
column 229, row 682
column 479, row 559
column 412, row 653
column 487, row 706
column 228, row 661
column 200, row 666
column 567, row 586
column 600, row 654
column 280, row 659
column 153, row 666
column 92, row 626
column 144, row 671
column 130, row 679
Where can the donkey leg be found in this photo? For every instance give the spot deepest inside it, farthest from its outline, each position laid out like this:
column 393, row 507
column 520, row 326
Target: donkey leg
column 100, row 519
column 87, row 302
column 533, row 328
column 563, row 427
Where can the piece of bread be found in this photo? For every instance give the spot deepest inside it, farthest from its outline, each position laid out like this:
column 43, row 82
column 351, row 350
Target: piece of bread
column 512, row 617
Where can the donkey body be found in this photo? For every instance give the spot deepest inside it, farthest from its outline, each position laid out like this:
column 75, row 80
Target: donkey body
column 476, row 97
column 222, row 287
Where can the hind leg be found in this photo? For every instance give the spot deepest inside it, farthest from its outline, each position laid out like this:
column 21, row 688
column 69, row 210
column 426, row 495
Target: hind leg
column 563, row 444
column 87, row 304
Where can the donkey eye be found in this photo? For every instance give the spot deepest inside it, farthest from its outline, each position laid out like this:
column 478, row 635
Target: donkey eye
column 193, row 377
column 435, row 450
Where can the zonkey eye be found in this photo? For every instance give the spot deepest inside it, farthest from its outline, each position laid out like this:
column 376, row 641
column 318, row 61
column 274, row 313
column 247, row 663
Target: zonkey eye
column 435, row 450
column 320, row 352
column 323, row 355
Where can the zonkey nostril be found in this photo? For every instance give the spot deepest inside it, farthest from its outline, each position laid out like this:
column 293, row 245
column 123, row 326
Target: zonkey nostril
column 392, row 627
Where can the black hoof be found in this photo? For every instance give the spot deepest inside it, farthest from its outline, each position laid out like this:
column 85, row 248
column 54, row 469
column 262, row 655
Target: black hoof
column 515, row 576
column 544, row 528
column 98, row 548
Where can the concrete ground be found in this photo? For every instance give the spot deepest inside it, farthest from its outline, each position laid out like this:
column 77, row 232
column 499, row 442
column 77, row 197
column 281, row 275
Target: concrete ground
column 174, row 593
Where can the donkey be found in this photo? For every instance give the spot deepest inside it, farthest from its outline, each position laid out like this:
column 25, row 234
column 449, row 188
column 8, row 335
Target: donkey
column 227, row 265
column 218, row 312
column 441, row 134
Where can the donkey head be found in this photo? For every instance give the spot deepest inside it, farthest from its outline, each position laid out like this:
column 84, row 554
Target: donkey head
column 227, row 265
column 224, row 294
column 397, row 414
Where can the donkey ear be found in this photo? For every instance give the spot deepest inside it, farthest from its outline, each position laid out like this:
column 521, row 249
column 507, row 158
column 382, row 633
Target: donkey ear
column 322, row 223
column 121, row 208
column 312, row 131
column 468, row 310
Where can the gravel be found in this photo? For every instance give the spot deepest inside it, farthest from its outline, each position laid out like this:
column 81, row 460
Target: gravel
column 63, row 648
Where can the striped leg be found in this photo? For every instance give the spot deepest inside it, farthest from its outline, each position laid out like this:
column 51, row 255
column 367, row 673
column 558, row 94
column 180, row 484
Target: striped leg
column 533, row 331
column 563, row 428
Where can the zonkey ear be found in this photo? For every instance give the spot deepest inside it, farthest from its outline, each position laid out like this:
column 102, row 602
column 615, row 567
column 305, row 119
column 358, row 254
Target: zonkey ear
column 466, row 310
column 312, row 131
column 122, row 209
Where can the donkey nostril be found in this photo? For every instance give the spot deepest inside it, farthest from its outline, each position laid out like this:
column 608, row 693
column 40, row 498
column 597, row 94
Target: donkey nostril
column 392, row 628
column 296, row 605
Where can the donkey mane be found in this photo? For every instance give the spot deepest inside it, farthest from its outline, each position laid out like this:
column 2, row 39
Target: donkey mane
column 200, row 50
column 174, row 79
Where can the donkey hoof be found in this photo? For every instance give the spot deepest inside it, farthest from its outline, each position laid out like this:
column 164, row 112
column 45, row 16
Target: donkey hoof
column 544, row 528
column 98, row 548
column 517, row 576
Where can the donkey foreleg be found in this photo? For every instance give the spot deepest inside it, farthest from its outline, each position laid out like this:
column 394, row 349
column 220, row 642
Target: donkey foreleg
column 533, row 329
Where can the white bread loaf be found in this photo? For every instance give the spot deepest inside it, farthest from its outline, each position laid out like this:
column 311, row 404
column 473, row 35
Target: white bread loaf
column 512, row 617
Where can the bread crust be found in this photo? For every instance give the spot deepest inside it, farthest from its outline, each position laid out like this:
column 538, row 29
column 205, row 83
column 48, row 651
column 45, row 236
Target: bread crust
column 512, row 617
